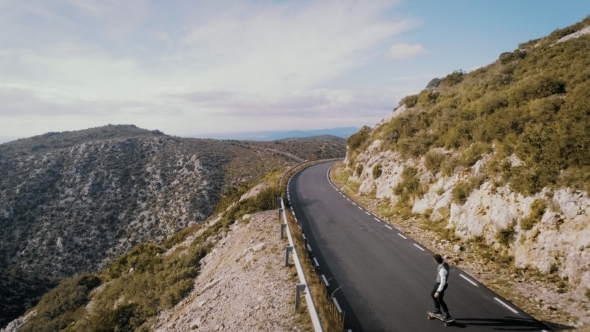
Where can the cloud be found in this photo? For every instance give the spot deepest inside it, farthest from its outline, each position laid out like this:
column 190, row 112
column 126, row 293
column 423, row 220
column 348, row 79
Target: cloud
column 405, row 51
column 193, row 60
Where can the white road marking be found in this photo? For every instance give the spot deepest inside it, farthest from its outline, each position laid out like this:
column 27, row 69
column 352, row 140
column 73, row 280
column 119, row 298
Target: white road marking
column 325, row 280
column 309, row 248
column 316, row 262
column 402, row 236
column 337, row 305
column 388, row 227
column 504, row 304
column 377, row 219
column 360, row 208
column 348, row 199
column 354, row 204
column 367, row 213
column 470, row 281
column 417, row 246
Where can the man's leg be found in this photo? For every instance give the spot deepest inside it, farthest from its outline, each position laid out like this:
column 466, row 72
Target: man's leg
column 442, row 303
column 436, row 303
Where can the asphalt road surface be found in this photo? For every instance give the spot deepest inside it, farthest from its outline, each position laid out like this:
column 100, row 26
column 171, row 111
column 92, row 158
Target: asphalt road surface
column 380, row 277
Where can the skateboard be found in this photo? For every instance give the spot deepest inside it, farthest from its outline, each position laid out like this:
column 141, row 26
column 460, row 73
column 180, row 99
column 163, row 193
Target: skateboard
column 447, row 322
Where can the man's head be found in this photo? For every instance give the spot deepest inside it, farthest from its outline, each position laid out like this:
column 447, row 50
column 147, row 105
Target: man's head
column 438, row 258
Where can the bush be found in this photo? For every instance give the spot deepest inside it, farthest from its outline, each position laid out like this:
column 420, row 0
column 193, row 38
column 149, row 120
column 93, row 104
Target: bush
column 506, row 235
column 433, row 161
column 409, row 101
column 356, row 140
column 409, row 187
column 377, row 171
column 461, row 192
column 538, row 208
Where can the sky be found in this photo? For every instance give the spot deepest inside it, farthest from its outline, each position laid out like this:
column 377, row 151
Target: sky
column 189, row 68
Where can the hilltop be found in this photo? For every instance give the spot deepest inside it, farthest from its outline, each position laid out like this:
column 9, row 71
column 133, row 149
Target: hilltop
column 492, row 167
column 72, row 202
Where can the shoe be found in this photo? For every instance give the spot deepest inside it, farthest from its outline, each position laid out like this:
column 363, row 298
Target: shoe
column 435, row 312
column 446, row 316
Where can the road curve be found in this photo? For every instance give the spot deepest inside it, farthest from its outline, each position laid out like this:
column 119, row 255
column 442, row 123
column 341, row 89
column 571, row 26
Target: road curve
column 380, row 277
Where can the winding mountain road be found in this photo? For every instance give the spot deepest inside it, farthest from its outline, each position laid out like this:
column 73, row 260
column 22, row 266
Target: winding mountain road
column 381, row 278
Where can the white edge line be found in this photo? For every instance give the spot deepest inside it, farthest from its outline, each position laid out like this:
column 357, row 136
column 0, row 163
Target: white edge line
column 337, row 305
column 402, row 236
column 354, row 204
column 309, row 248
column 316, row 262
column 367, row 213
column 325, row 280
column 470, row 281
column 377, row 219
column 507, row 306
column 360, row 208
column 388, row 227
column 417, row 246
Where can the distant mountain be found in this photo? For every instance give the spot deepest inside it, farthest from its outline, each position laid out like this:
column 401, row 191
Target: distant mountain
column 71, row 202
column 343, row 132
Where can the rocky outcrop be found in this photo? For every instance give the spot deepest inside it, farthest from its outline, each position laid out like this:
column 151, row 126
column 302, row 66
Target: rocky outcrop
column 559, row 242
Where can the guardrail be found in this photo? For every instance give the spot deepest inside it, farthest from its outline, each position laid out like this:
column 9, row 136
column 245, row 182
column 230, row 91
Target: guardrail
column 330, row 311
column 315, row 320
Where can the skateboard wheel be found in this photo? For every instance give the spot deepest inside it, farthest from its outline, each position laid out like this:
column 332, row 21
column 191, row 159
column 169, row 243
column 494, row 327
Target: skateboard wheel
column 430, row 317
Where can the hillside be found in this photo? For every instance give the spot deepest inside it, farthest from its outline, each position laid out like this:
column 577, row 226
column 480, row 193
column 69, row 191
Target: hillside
column 496, row 163
column 71, row 202
column 184, row 283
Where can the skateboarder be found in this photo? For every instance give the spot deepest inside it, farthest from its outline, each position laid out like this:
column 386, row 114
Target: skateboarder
column 438, row 292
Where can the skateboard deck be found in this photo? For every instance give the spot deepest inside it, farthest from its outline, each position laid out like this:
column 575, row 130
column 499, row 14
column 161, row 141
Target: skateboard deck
column 447, row 322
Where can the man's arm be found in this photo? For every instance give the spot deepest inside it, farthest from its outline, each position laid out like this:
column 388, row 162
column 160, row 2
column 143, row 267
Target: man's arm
column 443, row 280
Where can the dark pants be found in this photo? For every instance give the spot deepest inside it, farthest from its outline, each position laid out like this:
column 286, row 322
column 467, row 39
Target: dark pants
column 439, row 301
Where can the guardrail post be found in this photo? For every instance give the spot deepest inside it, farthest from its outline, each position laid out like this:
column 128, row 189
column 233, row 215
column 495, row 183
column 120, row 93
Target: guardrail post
column 287, row 250
column 280, row 212
column 283, row 226
column 298, row 288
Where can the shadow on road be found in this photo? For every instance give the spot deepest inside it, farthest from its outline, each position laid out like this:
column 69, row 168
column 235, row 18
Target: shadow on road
column 507, row 324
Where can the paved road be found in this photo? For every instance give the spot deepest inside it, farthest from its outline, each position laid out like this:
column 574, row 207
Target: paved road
column 385, row 276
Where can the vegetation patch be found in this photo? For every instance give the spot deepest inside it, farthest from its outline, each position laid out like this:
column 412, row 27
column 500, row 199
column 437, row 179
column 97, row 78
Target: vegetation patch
column 542, row 116
column 377, row 171
column 538, row 208
column 506, row 236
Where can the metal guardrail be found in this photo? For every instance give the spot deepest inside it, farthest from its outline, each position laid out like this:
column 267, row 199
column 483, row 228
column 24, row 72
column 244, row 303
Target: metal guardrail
column 315, row 320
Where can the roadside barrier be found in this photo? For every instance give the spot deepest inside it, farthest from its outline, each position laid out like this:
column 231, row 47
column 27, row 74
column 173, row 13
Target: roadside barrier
column 315, row 320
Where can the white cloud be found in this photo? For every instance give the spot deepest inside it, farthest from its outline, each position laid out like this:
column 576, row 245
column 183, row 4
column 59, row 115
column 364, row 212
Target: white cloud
column 198, row 61
column 405, row 51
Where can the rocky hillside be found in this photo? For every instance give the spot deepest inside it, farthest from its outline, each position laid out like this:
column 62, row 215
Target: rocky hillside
column 498, row 156
column 186, row 282
column 72, row 202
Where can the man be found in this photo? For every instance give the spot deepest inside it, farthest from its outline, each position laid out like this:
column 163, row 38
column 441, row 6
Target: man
column 438, row 292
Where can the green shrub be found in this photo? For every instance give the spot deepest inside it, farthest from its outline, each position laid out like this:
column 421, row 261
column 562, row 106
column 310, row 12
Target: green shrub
column 433, row 161
column 507, row 57
column 587, row 293
column 409, row 101
column 506, row 236
column 62, row 305
column 356, row 140
column 409, row 187
column 471, row 155
column 538, row 208
column 377, row 171
column 461, row 192
column 359, row 169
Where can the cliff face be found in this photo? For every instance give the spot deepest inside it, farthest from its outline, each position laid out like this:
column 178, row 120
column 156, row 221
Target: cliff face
column 559, row 242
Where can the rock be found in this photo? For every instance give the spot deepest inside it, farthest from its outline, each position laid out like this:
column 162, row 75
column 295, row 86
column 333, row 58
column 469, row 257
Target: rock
column 457, row 248
column 259, row 247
